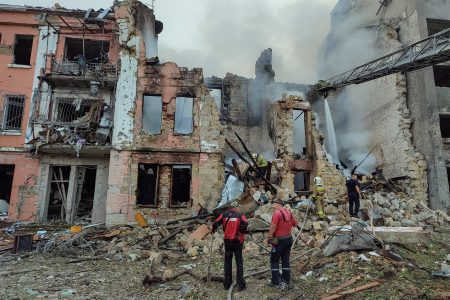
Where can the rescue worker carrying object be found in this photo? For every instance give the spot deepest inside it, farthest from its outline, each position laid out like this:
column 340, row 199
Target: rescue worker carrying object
column 234, row 226
column 319, row 195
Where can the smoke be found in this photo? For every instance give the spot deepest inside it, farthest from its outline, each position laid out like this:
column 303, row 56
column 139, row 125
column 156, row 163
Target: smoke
column 234, row 32
column 349, row 45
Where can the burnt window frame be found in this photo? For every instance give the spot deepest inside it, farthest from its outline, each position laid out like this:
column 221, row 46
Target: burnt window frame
column 25, row 37
column 103, row 58
column 175, row 115
column 162, row 111
column 157, row 183
column 5, row 111
column 172, row 167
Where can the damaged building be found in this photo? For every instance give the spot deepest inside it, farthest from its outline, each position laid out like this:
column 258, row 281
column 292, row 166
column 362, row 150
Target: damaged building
column 403, row 115
column 94, row 126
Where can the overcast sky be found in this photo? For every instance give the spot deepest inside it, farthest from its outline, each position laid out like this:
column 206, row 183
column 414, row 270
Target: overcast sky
column 228, row 35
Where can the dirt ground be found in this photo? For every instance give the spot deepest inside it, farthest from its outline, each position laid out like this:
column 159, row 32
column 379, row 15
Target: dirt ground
column 31, row 276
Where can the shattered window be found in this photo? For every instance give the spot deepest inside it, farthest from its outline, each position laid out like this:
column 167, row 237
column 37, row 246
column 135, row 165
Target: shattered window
column 13, row 112
column 94, row 51
column 147, row 184
column 72, row 110
column 299, row 132
column 181, row 185
column 22, row 49
column 152, row 114
column 183, row 115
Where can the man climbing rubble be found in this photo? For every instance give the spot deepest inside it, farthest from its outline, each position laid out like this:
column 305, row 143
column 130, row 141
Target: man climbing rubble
column 281, row 240
column 234, row 226
column 354, row 194
column 319, row 195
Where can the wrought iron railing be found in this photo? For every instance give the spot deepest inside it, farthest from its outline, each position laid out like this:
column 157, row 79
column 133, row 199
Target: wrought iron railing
column 105, row 71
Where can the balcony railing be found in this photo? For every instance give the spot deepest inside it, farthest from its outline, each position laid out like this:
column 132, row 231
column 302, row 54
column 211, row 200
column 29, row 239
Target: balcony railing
column 99, row 71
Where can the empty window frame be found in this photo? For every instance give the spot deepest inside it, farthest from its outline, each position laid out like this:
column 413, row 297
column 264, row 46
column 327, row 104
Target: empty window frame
column 299, row 141
column 13, row 113
column 444, row 122
column 147, row 188
column 217, row 95
column 70, row 109
column 95, row 51
column 436, row 25
column 301, row 181
column 441, row 75
column 183, row 115
column 22, row 49
column 152, row 114
column 181, row 185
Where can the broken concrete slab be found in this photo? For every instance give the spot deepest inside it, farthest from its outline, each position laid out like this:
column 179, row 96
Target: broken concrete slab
column 401, row 235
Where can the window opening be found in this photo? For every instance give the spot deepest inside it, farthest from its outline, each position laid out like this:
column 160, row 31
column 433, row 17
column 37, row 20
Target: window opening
column 95, row 51
column 183, row 115
column 217, row 94
column 152, row 114
column 13, row 112
column 299, row 131
column 181, row 185
column 301, row 181
column 6, row 182
column 22, row 49
column 147, row 184
column 444, row 122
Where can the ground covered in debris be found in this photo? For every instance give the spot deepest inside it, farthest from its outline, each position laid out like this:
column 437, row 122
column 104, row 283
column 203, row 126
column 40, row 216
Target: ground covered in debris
column 37, row 275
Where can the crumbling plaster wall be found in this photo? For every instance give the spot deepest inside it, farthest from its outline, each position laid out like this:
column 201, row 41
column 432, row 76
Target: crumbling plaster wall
column 281, row 131
column 24, row 193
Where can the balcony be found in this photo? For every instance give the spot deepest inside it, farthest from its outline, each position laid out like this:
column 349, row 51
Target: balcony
column 73, row 125
column 78, row 74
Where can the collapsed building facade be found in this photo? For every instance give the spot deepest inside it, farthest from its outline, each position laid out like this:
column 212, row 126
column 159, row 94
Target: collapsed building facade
column 404, row 115
column 97, row 127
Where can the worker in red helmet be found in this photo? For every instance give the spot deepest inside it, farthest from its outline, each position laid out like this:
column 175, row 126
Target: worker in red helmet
column 234, row 226
column 281, row 240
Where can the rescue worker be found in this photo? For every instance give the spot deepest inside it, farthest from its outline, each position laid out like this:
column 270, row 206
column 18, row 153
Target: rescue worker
column 234, row 227
column 319, row 195
column 354, row 194
column 261, row 163
column 281, row 240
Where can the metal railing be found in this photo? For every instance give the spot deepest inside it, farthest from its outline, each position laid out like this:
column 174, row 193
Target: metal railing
column 433, row 50
column 103, row 71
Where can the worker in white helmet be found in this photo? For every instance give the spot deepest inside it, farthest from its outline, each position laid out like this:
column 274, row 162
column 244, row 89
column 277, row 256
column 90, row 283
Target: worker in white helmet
column 319, row 194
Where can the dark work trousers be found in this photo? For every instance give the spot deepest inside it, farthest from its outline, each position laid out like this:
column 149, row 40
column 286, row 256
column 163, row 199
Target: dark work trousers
column 353, row 200
column 233, row 247
column 281, row 251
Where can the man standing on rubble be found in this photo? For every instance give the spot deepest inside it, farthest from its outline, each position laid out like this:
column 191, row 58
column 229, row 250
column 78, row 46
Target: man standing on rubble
column 234, row 227
column 281, row 240
column 354, row 194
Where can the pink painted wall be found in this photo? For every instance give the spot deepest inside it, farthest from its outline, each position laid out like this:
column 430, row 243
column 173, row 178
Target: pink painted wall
column 16, row 81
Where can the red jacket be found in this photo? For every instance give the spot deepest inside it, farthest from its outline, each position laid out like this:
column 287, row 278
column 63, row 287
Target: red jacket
column 284, row 220
column 234, row 225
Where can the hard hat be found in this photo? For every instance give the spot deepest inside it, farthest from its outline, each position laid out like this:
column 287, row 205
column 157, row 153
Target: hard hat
column 318, row 180
column 254, row 155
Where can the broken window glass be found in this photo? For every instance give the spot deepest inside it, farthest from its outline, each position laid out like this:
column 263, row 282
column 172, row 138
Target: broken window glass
column 13, row 112
column 299, row 132
column 22, row 49
column 183, row 115
column 147, row 184
column 95, row 51
column 152, row 114
column 181, row 185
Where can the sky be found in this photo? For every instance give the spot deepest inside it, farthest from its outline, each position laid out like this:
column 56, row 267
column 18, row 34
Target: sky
column 228, row 36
